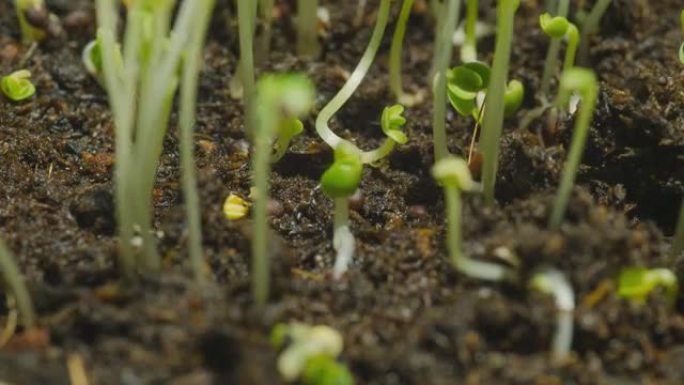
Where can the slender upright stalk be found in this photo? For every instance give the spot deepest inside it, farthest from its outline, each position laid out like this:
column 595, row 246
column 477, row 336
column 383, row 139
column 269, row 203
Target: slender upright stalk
column 395, row 51
column 343, row 240
column 583, row 81
column 263, row 46
column 246, row 17
column 354, row 79
column 590, row 26
column 443, row 50
column 235, row 84
column 13, row 280
column 551, row 61
column 307, row 31
column 469, row 48
column 188, row 103
column 678, row 240
column 492, row 124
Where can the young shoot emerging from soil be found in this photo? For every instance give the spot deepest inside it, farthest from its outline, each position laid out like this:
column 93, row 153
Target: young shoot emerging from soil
column 590, row 26
column 242, row 81
column 278, row 98
column 583, row 82
column 636, row 283
column 558, row 28
column 454, row 176
column 492, row 123
column 32, row 15
column 14, row 282
column 17, row 86
column 396, row 84
column 553, row 282
column 141, row 83
column 469, row 47
column 307, row 29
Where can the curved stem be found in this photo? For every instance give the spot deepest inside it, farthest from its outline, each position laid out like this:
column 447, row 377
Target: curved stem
column 492, row 124
column 343, row 239
column 354, row 80
column 552, row 54
column 263, row 46
column 571, row 49
column 470, row 267
column 12, row 277
column 396, row 48
column 370, row 157
column 555, row 283
column 442, row 56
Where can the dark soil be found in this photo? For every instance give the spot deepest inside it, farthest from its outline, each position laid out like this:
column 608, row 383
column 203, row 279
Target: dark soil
column 406, row 315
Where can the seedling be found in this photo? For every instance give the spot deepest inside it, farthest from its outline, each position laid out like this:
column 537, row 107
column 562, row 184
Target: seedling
column 469, row 47
column 553, row 282
column 454, row 176
column 278, row 97
column 395, row 58
column 558, row 28
column 12, row 278
column 300, row 344
column 17, row 86
column 31, row 13
column 492, row 123
column 681, row 47
column 325, row 370
column 141, row 88
column 242, row 83
column 678, row 240
column 590, row 25
column 446, row 24
column 307, row 28
column 636, row 283
column 263, row 44
column 92, row 60
column 288, row 129
column 583, row 82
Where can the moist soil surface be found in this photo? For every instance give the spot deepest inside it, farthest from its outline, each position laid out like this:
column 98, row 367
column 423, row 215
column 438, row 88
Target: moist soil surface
column 406, row 316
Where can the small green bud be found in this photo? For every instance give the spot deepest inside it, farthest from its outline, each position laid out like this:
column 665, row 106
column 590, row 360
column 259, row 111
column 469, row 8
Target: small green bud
column 279, row 335
column 636, row 283
column 17, row 86
column 325, row 370
column 392, row 121
column 344, row 175
column 555, row 27
column 454, row 171
column 92, row 58
column 513, row 98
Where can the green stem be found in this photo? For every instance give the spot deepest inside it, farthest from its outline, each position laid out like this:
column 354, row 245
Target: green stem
column 552, row 54
column 354, row 79
column 590, row 26
column 678, row 240
column 443, row 49
column 370, row 157
column 464, row 264
column 571, row 49
column 469, row 48
column 579, row 138
column 13, row 280
column 307, row 23
column 261, row 168
column 246, row 16
column 492, row 124
column 263, row 45
column 396, row 49
column 29, row 33
column 188, row 105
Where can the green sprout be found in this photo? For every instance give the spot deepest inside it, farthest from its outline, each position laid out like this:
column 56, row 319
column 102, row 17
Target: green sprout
column 582, row 81
column 242, row 82
column 29, row 32
column 288, row 129
column 557, row 28
column 446, row 24
column 263, row 44
column 141, row 80
column 307, row 31
column 678, row 240
column 590, row 25
column 302, row 348
column 396, row 85
column 454, row 176
column 467, row 81
column 326, row 370
column 469, row 47
column 17, row 86
column 636, row 283
column 92, row 60
column 553, row 282
column 12, row 278
column 492, row 124
column 278, row 97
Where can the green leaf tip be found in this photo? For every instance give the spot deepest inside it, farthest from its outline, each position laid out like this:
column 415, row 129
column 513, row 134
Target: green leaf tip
column 465, row 81
column 342, row 178
column 454, row 171
column 636, row 283
column 392, row 121
column 681, row 53
column 293, row 93
column 555, row 27
column 325, row 370
column 17, row 86
column 513, row 98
